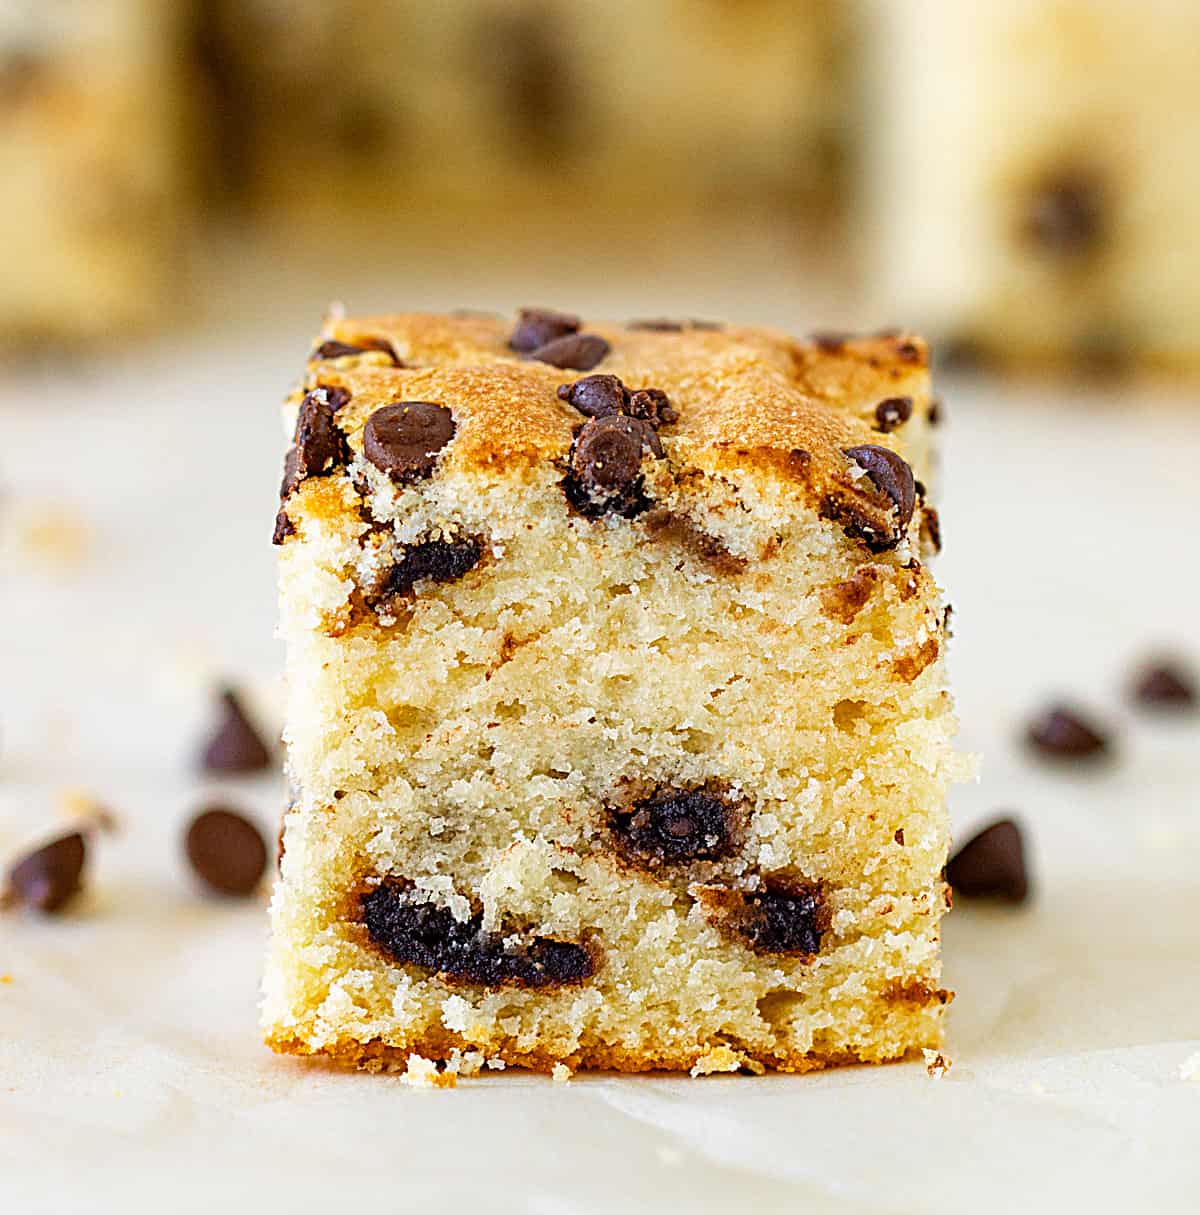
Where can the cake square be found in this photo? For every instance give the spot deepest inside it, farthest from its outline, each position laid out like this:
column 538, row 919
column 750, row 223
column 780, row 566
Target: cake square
column 616, row 717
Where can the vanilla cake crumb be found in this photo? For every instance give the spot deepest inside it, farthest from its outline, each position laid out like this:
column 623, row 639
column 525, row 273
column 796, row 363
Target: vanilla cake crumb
column 560, row 1073
column 617, row 723
column 936, row 1064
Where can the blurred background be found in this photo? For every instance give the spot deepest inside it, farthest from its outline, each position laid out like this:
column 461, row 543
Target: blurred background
column 187, row 185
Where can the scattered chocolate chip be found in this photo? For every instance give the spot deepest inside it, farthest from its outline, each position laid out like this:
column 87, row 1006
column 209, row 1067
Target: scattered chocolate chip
column 1061, row 733
column 437, row 560
column 657, row 325
column 574, row 351
column 333, row 349
column 893, row 412
column 537, row 326
column 235, row 746
column 404, row 439
column 937, row 411
column 890, row 475
column 605, row 466
column 284, row 527
column 50, row 876
column 652, row 405
column 1165, row 685
column 595, row 396
column 226, row 851
column 991, row 865
column 830, row 341
column 675, row 827
column 319, row 446
column 1065, row 215
column 421, row 933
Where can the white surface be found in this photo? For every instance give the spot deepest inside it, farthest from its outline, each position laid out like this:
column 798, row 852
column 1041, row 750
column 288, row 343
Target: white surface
column 131, row 1075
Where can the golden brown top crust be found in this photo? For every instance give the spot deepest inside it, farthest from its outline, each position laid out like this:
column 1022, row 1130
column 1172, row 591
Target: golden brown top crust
column 749, row 400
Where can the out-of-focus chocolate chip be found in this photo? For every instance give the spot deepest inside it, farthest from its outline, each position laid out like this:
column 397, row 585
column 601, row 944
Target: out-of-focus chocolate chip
column 830, row 341
column 333, row 349
column 226, row 851
column 319, row 447
column 403, row 440
column 436, row 560
column 675, row 827
column 236, row 745
column 537, row 326
column 1066, row 215
column 652, row 405
column 657, row 325
column 962, row 353
column 937, row 411
column 991, row 864
column 1165, row 684
column 420, row 933
column 1062, row 733
column 892, row 412
column 47, row 878
column 573, row 352
column 890, row 475
column 595, row 396
column 284, row 527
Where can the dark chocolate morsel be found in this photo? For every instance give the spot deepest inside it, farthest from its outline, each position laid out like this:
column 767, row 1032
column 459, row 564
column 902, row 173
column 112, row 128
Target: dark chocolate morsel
column 437, row 560
column 333, row 349
column 991, row 864
column 403, row 440
column 783, row 918
column 47, row 878
column 284, row 527
column 574, row 351
column 226, row 851
column 1165, row 685
column 890, row 475
column 1062, row 733
column 675, row 827
column 319, row 447
column 596, row 396
column 652, row 405
column 235, row 745
column 893, row 412
column 537, row 326
column 1065, row 215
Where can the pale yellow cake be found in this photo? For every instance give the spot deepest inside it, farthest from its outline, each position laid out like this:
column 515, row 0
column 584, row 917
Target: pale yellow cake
column 617, row 723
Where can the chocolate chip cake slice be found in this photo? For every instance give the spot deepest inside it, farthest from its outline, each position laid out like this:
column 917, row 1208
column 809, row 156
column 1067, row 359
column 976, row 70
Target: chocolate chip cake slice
column 616, row 725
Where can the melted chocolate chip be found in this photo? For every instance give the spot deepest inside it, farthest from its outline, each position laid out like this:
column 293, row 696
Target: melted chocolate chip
column 574, row 352
column 675, row 827
column 784, row 919
column 605, row 470
column 596, row 396
column 333, row 349
column 537, row 326
column 892, row 412
column 891, row 476
column 284, row 527
column 437, row 560
column 50, row 876
column 236, row 745
column 319, row 447
column 403, row 440
column 652, row 405
column 991, row 865
column 421, row 933
column 1065, row 216
column 1165, row 685
column 931, row 528
column 1061, row 733
column 226, row 851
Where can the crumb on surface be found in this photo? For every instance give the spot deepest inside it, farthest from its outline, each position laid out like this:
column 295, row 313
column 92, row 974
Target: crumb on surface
column 423, row 1073
column 720, row 1059
column 561, row 1073
column 936, row 1064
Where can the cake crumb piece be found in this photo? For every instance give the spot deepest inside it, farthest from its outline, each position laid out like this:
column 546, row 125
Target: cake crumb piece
column 423, row 1073
column 50, row 536
column 497, row 1065
column 1189, row 1069
column 464, row 1063
column 561, row 1073
column 720, row 1059
column 936, row 1064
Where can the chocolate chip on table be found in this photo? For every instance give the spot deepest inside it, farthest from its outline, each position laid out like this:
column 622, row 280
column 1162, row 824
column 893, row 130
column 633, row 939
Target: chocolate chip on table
column 436, row 560
column 235, row 746
column 574, row 351
column 674, row 827
column 784, row 919
column 1062, row 733
column 537, row 326
column 893, row 412
column 991, row 864
column 226, row 851
column 420, row 933
column 319, row 447
column 403, row 440
column 333, row 349
column 1165, row 685
column 47, row 878
column 1065, row 215
column 596, row 396
column 890, row 475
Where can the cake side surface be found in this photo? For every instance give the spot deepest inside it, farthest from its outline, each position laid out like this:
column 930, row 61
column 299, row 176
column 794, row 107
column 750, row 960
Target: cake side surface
column 618, row 738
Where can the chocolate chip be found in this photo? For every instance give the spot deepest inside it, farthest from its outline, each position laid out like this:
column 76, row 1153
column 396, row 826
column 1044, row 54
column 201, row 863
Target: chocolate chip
column 284, row 527
column 226, row 851
column 785, row 916
column 652, row 405
column 235, row 746
column 537, row 326
column 991, row 865
column 575, row 351
column 1065, row 216
column 908, row 352
column 890, row 475
column 931, row 528
column 1165, row 685
column 674, row 827
column 50, row 876
column 1061, row 733
column 830, row 341
column 595, row 396
column 333, row 349
column 605, row 468
column 937, row 411
column 657, row 325
column 404, row 439
column 420, row 933
column 319, row 447
column 962, row 353
column 437, row 560
column 892, row 412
